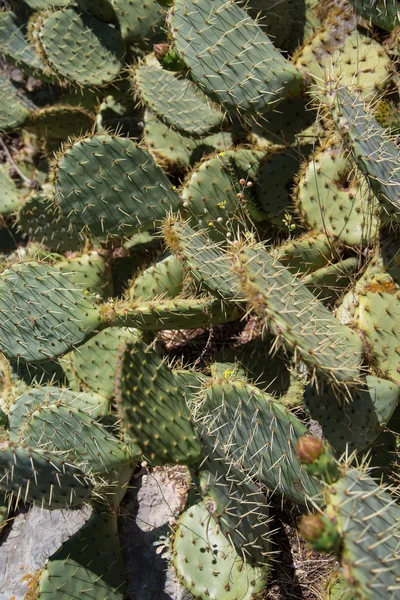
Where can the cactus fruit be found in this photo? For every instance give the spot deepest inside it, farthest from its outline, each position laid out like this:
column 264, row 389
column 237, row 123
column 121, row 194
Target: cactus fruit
column 207, row 564
column 152, row 407
column 320, row 532
column 316, row 458
column 210, row 46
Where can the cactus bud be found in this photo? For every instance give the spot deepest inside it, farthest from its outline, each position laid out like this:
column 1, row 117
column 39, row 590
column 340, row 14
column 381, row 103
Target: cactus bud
column 317, row 459
column 309, row 449
column 169, row 58
column 320, row 532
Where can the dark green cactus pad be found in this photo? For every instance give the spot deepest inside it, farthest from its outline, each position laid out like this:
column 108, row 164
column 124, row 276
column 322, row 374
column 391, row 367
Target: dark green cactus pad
column 43, row 222
column 256, row 433
column 152, row 406
column 329, row 283
column 12, row 194
column 140, row 21
column 176, row 101
column 382, row 13
column 14, row 107
column 377, row 315
column 33, row 398
column 42, row 314
column 369, row 521
column 164, row 278
column 94, row 363
column 88, row 272
column 101, row 9
column 80, row 48
column 172, row 148
column 59, row 122
column 208, row 565
column 238, row 506
column 371, row 147
column 15, row 47
column 357, row 422
column 304, row 254
column 299, row 319
column 230, row 57
column 206, row 261
column 108, row 186
column 62, row 428
column 41, row 477
column 213, row 196
column 274, row 183
column 333, row 197
column 89, row 564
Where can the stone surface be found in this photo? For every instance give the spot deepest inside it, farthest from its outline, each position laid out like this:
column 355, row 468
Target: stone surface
column 33, row 536
column 147, row 512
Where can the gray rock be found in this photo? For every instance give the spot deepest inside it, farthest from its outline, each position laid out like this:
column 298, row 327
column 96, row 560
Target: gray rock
column 33, row 537
column 149, row 508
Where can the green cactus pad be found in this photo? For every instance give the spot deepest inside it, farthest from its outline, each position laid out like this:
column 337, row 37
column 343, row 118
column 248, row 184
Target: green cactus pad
column 11, row 194
column 41, row 477
column 377, row 316
column 89, row 564
column 210, row 195
column 299, row 319
column 95, row 362
column 382, row 13
column 230, row 57
column 369, row 522
column 208, row 565
column 101, row 9
column 59, row 122
column 371, row 147
column 16, row 48
column 88, row 272
column 80, row 48
column 173, row 149
column 14, row 111
column 238, row 507
column 257, row 434
column 357, row 422
column 164, row 278
column 275, row 180
column 333, row 197
column 48, row 320
column 139, row 21
column 304, row 254
column 177, row 313
column 109, row 186
column 62, row 428
column 176, row 101
column 387, row 114
column 43, row 222
column 328, row 283
column 35, row 397
column 206, row 261
column 152, row 406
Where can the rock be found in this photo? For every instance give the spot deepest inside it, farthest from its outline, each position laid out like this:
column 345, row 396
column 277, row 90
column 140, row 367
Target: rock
column 147, row 511
column 32, row 538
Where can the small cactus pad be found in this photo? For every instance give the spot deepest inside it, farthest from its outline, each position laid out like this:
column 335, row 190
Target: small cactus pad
column 230, row 57
column 152, row 406
column 257, row 433
column 139, row 20
column 177, row 102
column 109, row 186
column 41, row 477
column 14, row 107
column 88, row 565
column 208, row 565
column 164, row 278
column 42, row 314
column 80, row 48
column 94, row 363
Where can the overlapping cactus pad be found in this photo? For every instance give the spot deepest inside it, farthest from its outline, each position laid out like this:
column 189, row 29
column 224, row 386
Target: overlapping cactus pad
column 200, row 270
